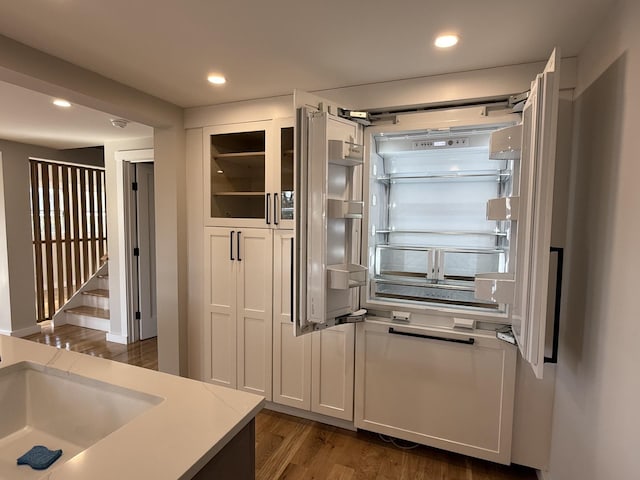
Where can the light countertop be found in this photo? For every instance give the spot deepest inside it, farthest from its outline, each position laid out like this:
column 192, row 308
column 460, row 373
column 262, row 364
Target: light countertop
column 172, row 440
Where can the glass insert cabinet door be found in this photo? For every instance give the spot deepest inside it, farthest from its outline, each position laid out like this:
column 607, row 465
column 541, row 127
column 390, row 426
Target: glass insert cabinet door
column 237, row 169
column 249, row 174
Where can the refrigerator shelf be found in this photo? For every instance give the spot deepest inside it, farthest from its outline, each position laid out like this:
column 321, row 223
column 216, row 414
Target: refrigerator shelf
column 434, row 232
column 451, row 176
column 445, row 249
column 495, row 287
column 344, row 276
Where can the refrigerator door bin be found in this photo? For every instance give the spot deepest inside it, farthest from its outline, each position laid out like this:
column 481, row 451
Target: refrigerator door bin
column 506, row 143
column 345, row 153
column 338, row 208
column 344, row 276
column 495, row 287
column 506, row 208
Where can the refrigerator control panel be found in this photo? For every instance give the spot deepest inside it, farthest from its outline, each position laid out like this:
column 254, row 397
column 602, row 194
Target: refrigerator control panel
column 441, row 143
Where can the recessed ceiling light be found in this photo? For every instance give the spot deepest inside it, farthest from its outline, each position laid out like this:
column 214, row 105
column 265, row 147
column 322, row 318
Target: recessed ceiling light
column 446, row 41
column 217, row 79
column 59, row 102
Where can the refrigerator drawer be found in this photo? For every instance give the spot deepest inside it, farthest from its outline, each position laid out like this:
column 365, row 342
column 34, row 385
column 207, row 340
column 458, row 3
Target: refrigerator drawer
column 444, row 389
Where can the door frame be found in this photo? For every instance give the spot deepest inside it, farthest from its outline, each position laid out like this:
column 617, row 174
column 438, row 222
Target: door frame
column 127, row 286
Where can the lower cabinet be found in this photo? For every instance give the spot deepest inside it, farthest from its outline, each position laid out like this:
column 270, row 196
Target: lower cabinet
column 238, row 308
column 314, row 372
column 446, row 394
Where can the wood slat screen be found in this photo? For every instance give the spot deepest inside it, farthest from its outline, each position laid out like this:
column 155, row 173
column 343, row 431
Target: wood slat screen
column 68, row 210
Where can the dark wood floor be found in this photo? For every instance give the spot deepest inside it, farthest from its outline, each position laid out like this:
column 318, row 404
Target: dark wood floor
column 291, row 448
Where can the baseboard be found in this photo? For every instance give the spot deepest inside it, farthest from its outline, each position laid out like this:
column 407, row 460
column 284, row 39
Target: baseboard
column 542, row 475
column 23, row 332
column 117, row 338
column 87, row 322
column 317, row 417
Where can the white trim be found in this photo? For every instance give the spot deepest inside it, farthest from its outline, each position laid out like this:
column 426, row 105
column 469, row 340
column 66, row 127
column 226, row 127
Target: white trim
column 117, row 338
column 23, row 332
column 135, row 156
column 316, row 417
column 543, row 475
column 120, row 283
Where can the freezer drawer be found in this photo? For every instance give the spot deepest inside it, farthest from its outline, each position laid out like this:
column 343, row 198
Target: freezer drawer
column 454, row 392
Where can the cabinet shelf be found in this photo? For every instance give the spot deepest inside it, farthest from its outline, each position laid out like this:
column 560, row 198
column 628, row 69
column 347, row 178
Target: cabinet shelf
column 239, row 155
column 344, row 276
column 238, row 194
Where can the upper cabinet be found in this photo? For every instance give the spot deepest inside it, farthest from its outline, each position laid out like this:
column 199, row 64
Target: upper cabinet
column 248, row 174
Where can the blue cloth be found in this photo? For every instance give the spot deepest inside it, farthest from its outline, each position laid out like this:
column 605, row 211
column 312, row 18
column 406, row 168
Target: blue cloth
column 39, row 457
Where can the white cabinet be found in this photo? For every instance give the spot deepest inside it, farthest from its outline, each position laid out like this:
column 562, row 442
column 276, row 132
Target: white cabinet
column 437, row 387
column 313, row 372
column 248, row 174
column 238, row 308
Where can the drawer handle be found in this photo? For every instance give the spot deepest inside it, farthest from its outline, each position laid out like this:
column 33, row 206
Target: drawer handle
column 469, row 341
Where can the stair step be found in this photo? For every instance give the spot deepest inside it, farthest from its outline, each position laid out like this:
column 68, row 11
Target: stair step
column 98, row 292
column 89, row 311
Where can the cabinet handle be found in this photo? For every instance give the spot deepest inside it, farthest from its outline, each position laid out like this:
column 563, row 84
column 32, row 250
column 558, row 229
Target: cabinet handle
column 231, row 244
column 275, row 208
column 238, row 246
column 291, row 293
column 266, row 209
column 469, row 341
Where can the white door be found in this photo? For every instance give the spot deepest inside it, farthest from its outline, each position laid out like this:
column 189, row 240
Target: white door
column 291, row 354
column 147, row 247
column 220, row 253
column 253, row 259
column 526, row 288
column 329, row 162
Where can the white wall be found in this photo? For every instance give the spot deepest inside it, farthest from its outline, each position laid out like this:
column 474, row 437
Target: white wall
column 30, row 68
column 596, row 424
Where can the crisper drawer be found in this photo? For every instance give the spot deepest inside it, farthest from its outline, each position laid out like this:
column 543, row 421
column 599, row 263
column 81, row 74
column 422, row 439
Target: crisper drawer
column 455, row 395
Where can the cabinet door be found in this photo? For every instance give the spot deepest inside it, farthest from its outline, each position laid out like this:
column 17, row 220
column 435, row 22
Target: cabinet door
column 236, row 159
column 254, row 309
column 449, row 395
column 220, row 306
column 332, row 371
column 282, row 176
column 291, row 354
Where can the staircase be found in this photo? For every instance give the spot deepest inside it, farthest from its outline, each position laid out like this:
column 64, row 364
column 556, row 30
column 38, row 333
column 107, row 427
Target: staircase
column 89, row 306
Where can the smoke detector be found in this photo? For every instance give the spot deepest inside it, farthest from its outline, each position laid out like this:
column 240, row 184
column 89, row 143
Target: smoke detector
column 119, row 122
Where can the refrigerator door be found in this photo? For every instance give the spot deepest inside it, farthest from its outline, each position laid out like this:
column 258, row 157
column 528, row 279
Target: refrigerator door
column 328, row 175
column 539, row 125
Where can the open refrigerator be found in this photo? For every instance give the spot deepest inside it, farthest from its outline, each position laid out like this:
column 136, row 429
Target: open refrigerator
column 443, row 213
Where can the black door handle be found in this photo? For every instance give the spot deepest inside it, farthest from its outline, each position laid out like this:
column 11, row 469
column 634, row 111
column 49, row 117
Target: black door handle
column 238, row 249
column 469, row 341
column 292, row 267
column 275, row 208
column 266, row 208
column 231, row 244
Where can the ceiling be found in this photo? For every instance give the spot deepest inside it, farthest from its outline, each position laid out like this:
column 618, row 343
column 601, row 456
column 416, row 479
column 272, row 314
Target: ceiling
column 265, row 48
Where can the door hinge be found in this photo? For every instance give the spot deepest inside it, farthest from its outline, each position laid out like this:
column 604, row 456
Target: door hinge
column 138, row 316
column 136, row 252
column 134, row 186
